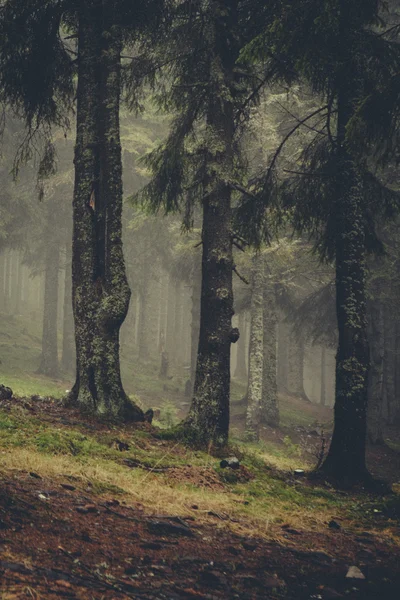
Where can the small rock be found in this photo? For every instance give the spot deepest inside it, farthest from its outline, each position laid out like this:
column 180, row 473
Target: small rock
column 68, row 486
column 299, row 472
column 82, row 510
column 232, row 462
column 112, row 502
column 34, row 475
column 195, row 507
column 334, row 525
column 354, row 573
column 91, row 508
column 5, row 392
column 249, row 545
column 167, row 528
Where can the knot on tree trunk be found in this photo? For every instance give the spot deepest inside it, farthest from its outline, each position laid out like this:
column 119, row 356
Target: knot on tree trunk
column 234, row 335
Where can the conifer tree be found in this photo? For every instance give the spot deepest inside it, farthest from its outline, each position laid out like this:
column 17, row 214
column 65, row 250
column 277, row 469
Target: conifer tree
column 337, row 48
column 38, row 65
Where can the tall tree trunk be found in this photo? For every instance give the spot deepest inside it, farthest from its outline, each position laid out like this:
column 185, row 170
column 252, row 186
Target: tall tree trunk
column 255, row 386
column 375, row 383
column 295, row 375
column 241, row 367
column 68, row 358
column 208, row 419
column 389, row 380
column 346, row 456
column 100, row 288
column 283, row 355
column 269, row 400
column 195, row 325
column 49, row 357
column 323, row 377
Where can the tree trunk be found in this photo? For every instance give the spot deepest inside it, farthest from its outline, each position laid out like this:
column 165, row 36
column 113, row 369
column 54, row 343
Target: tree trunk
column 295, row 375
column 49, row 358
column 100, row 288
column 323, row 376
column 241, row 367
column 269, row 400
column 255, row 387
column 68, row 358
column 375, row 383
column 346, row 457
column 389, row 379
column 195, row 325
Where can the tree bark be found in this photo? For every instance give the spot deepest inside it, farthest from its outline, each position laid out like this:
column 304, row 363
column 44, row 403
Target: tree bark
column 269, row 400
column 346, row 457
column 375, row 383
column 208, row 419
column 195, row 325
column 255, row 386
column 100, row 288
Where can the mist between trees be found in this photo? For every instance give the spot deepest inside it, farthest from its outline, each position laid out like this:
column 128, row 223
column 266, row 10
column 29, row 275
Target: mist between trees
column 260, row 210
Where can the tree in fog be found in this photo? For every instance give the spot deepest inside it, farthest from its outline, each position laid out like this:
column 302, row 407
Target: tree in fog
column 211, row 91
column 335, row 48
column 37, row 70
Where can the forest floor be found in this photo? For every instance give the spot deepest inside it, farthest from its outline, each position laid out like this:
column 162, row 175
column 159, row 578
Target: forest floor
column 93, row 511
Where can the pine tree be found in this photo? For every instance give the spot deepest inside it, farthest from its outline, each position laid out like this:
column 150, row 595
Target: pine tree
column 37, row 70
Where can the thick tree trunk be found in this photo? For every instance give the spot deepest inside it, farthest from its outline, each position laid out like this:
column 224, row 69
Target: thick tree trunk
column 269, row 400
column 346, row 457
column 375, row 383
column 255, row 386
column 241, row 367
column 100, row 288
column 49, row 357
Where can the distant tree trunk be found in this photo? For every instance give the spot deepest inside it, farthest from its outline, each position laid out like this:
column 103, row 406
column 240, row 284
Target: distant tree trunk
column 389, row 380
column 241, row 367
column 2, row 280
column 170, row 337
column 255, row 387
column 68, row 358
column 346, row 457
column 323, row 376
column 375, row 383
column 178, row 321
column 49, row 357
column 100, row 288
column 283, row 355
column 195, row 325
column 269, row 400
column 295, row 378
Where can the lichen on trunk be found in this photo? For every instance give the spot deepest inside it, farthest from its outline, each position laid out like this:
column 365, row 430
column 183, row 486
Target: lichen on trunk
column 100, row 288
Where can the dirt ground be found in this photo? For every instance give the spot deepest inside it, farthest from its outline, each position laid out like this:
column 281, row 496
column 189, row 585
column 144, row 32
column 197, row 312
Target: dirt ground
column 59, row 539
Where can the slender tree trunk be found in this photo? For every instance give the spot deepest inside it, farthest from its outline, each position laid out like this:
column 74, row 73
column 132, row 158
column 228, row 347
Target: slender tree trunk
column 255, row 386
column 295, row 376
column 241, row 367
column 389, row 380
column 49, row 358
column 323, row 376
column 68, row 358
column 283, row 355
column 346, row 457
column 375, row 383
column 269, row 400
column 195, row 326
column 100, row 288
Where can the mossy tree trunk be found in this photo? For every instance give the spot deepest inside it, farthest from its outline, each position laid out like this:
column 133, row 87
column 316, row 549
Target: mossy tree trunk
column 346, row 457
column 269, row 399
column 208, row 419
column 100, row 288
column 256, row 360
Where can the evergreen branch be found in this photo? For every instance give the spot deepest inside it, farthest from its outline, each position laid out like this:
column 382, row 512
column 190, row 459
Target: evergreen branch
column 234, row 269
column 287, row 137
column 240, row 188
column 298, row 120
